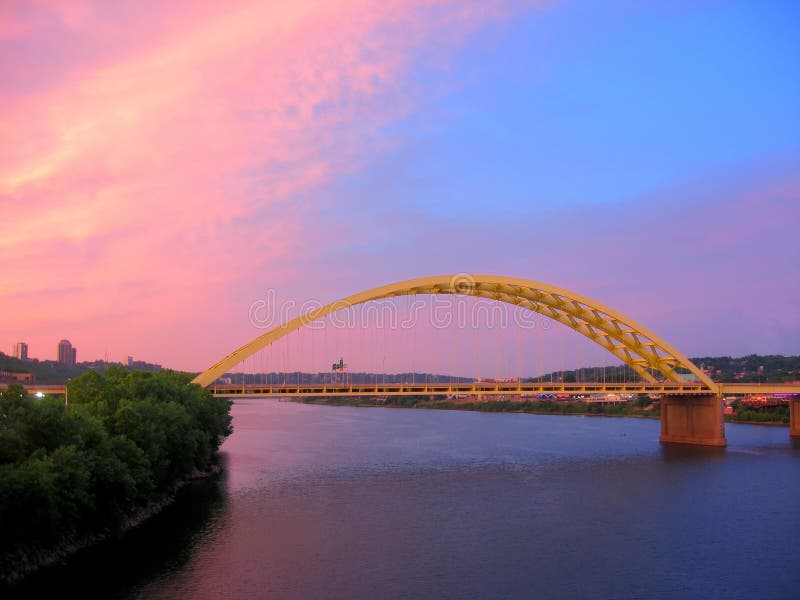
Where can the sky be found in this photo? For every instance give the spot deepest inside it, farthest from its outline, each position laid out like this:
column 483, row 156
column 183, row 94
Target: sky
column 166, row 166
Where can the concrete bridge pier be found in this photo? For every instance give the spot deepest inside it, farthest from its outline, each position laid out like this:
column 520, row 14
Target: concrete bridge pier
column 693, row 419
column 794, row 418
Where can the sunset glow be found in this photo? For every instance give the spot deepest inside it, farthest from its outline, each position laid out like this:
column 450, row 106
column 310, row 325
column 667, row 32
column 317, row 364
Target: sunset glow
column 162, row 168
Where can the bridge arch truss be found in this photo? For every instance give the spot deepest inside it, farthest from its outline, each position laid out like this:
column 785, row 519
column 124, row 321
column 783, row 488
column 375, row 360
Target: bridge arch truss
column 631, row 343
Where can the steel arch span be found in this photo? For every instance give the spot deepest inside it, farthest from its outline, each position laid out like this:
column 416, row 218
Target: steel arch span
column 633, row 344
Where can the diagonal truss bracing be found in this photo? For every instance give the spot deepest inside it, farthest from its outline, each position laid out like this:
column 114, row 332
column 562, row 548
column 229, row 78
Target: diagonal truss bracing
column 631, row 343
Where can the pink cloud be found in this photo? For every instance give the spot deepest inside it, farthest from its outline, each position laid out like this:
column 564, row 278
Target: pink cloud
column 131, row 171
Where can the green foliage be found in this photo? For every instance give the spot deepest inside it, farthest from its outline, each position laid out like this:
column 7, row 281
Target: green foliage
column 84, row 467
column 642, row 406
column 752, row 368
column 780, row 414
column 549, row 407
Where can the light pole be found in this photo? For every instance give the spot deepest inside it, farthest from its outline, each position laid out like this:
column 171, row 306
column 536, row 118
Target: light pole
column 66, row 393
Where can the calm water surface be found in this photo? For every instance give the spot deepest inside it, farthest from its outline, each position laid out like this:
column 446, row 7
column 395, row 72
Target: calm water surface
column 335, row 502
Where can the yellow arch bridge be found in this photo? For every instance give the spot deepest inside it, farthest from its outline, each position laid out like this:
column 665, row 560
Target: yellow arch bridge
column 691, row 413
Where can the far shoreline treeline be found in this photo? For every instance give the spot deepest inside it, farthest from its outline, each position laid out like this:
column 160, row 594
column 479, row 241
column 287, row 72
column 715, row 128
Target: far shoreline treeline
column 640, row 407
column 753, row 368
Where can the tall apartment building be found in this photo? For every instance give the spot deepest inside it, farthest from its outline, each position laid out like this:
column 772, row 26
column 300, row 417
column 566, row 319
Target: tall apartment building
column 67, row 355
column 21, row 350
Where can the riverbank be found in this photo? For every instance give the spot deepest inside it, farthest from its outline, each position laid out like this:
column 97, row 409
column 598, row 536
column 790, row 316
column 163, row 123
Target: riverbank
column 74, row 475
column 534, row 408
column 545, row 407
column 771, row 423
column 27, row 560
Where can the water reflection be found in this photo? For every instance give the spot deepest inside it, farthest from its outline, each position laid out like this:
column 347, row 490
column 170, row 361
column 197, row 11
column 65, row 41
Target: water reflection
column 679, row 452
column 162, row 545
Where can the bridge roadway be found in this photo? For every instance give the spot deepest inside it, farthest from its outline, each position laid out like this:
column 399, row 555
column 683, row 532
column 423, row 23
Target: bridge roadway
column 482, row 388
column 512, row 388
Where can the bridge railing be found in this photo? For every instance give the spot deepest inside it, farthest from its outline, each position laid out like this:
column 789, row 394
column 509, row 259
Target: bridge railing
column 572, row 389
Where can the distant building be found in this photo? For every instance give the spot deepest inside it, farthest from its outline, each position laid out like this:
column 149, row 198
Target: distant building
column 21, row 350
column 9, row 377
column 67, row 355
column 141, row 365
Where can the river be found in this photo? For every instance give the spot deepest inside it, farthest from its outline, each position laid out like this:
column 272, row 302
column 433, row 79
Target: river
column 342, row 502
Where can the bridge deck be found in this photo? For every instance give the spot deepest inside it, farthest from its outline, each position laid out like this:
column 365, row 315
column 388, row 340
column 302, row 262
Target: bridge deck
column 497, row 389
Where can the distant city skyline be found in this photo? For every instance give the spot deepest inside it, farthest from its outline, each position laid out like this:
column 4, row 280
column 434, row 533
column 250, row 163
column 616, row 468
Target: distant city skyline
column 165, row 167
column 21, row 350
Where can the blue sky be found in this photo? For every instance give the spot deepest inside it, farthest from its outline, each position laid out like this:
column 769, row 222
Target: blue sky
column 597, row 103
